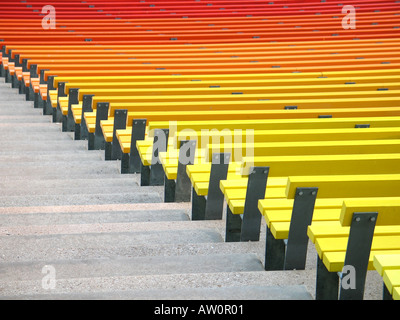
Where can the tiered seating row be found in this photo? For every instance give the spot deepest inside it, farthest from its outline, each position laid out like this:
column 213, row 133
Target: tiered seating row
column 304, row 115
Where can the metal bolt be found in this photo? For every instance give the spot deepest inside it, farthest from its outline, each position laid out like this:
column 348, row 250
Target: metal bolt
column 358, row 219
column 314, row 193
column 372, row 219
column 300, row 193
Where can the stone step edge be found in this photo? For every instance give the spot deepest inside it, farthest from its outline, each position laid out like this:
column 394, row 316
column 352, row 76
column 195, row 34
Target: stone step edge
column 94, row 208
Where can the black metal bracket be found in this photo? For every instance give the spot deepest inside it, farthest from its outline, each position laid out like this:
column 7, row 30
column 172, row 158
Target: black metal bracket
column 187, row 153
column 47, row 108
column 357, row 257
column 57, row 115
column 160, row 144
column 101, row 114
column 233, row 226
column 215, row 197
column 291, row 254
column 327, row 284
column 81, row 130
column 138, row 133
column 256, row 186
column 358, row 251
column 68, row 123
column 120, row 117
column 297, row 243
column 198, row 206
column 274, row 252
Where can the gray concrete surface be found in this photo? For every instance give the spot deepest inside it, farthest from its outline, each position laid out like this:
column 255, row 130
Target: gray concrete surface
column 107, row 238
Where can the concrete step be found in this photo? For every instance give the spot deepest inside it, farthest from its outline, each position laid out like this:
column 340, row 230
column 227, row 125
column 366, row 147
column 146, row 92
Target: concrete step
column 251, row 285
column 87, row 189
column 92, row 214
column 17, row 137
column 40, row 146
column 52, row 176
column 144, row 195
column 133, row 266
column 45, row 157
column 6, row 88
column 20, row 119
column 118, row 180
column 11, row 128
column 245, row 292
column 62, row 168
column 19, row 107
column 11, row 97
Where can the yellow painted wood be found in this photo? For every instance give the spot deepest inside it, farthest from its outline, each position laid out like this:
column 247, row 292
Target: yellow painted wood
column 385, row 262
column 201, row 187
column 240, row 150
column 236, row 104
column 220, row 77
column 334, row 261
column 287, row 204
column 255, row 114
column 360, row 82
column 388, row 209
column 325, row 245
column 281, row 215
column 293, row 135
column 391, row 278
column 332, row 229
column 322, row 164
column 63, row 103
column 277, row 124
column 125, row 96
column 270, row 193
column 242, row 183
column 351, row 184
column 396, row 293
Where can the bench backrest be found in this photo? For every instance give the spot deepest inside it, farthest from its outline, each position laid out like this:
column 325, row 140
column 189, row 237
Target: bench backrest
column 347, row 186
column 388, row 210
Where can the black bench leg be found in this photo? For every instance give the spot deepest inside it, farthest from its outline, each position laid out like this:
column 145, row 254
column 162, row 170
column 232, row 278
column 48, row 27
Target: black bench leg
column 215, row 197
column 187, row 152
column 81, row 130
column 144, row 175
column 160, row 144
column 256, row 187
column 73, row 98
column 233, row 226
column 138, row 133
column 120, row 117
column 357, row 254
column 327, row 285
column 297, row 243
column 101, row 114
column 169, row 190
column 198, row 206
column 386, row 295
column 125, row 163
column 274, row 252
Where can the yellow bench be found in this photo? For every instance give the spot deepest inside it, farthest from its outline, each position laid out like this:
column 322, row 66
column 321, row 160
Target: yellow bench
column 388, row 266
column 367, row 227
column 225, row 94
column 379, row 99
column 246, row 116
column 284, row 166
column 284, row 222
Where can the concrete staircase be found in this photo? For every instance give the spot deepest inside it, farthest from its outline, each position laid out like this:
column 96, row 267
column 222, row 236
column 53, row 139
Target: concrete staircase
column 68, row 215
